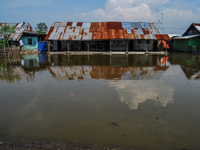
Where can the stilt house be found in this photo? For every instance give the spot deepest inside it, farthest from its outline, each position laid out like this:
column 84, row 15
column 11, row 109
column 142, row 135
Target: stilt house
column 189, row 41
column 106, row 36
column 25, row 32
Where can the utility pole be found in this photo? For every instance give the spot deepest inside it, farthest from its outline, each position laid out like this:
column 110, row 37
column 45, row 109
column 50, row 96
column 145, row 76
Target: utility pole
column 162, row 18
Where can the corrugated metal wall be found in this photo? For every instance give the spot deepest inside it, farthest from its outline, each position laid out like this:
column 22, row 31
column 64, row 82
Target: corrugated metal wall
column 185, row 45
column 181, row 45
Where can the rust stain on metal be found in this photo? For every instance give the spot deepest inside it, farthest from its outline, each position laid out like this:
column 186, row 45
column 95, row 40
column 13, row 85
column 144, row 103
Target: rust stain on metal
column 49, row 33
column 79, row 23
column 142, row 36
column 60, row 36
column 153, row 27
column 106, row 30
column 160, row 37
column 69, row 23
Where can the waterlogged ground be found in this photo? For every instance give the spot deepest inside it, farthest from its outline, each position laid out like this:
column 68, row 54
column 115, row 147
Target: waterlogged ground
column 127, row 101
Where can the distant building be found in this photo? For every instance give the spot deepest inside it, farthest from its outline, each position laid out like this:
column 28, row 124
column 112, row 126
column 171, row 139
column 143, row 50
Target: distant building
column 106, row 36
column 189, row 41
column 25, row 32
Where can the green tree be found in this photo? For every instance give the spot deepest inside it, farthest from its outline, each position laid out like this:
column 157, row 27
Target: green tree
column 1, row 43
column 41, row 28
column 5, row 32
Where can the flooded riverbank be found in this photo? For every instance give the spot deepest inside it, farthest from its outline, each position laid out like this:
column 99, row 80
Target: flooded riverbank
column 127, row 101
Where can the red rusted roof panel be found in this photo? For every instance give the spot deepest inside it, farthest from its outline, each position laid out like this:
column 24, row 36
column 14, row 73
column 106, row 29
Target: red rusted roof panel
column 79, row 23
column 162, row 37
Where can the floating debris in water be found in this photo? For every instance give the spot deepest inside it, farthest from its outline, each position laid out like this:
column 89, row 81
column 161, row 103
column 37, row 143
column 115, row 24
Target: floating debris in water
column 114, row 124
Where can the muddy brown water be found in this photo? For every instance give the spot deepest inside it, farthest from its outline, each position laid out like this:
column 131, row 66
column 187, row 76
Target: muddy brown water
column 131, row 101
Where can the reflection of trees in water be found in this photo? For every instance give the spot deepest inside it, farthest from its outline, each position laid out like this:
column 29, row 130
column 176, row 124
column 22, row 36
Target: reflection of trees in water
column 15, row 73
column 6, row 70
column 9, row 75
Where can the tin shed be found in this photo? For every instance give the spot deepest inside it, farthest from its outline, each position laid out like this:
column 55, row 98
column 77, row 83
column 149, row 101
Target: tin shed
column 189, row 41
column 105, row 36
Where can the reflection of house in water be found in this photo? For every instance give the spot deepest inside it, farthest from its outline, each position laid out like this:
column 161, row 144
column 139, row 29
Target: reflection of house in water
column 43, row 60
column 70, row 72
column 30, row 64
column 34, row 62
column 30, row 61
column 29, row 76
column 188, row 63
column 81, row 67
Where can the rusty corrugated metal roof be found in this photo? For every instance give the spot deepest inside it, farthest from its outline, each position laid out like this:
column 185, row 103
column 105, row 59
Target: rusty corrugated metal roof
column 106, row 30
column 197, row 25
column 20, row 28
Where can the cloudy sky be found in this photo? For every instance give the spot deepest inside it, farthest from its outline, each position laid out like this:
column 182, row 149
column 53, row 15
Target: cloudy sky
column 178, row 14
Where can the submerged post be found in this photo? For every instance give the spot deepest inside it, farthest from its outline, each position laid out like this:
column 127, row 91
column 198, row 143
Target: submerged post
column 88, row 46
column 110, row 47
column 68, row 48
column 127, row 46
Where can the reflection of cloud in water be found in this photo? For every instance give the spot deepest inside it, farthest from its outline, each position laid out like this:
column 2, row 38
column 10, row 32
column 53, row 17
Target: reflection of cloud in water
column 173, row 70
column 135, row 92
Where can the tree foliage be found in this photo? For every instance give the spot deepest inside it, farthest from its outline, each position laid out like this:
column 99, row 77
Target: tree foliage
column 41, row 28
column 1, row 43
column 5, row 32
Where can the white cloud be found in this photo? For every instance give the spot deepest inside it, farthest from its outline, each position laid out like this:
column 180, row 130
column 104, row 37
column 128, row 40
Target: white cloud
column 179, row 20
column 139, row 13
column 111, row 4
column 180, row 14
column 198, row 11
column 140, row 10
column 117, row 10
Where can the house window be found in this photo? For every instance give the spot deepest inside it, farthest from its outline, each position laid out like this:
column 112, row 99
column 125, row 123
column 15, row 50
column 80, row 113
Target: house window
column 193, row 31
column 31, row 63
column 29, row 41
column 147, row 41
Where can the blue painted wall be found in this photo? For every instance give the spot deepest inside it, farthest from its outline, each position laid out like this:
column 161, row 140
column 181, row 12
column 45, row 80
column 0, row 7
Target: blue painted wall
column 33, row 46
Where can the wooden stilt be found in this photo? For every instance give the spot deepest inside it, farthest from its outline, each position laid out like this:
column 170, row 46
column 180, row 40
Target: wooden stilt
column 110, row 47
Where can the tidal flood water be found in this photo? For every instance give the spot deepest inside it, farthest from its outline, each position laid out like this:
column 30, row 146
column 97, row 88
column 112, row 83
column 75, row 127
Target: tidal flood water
column 133, row 101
